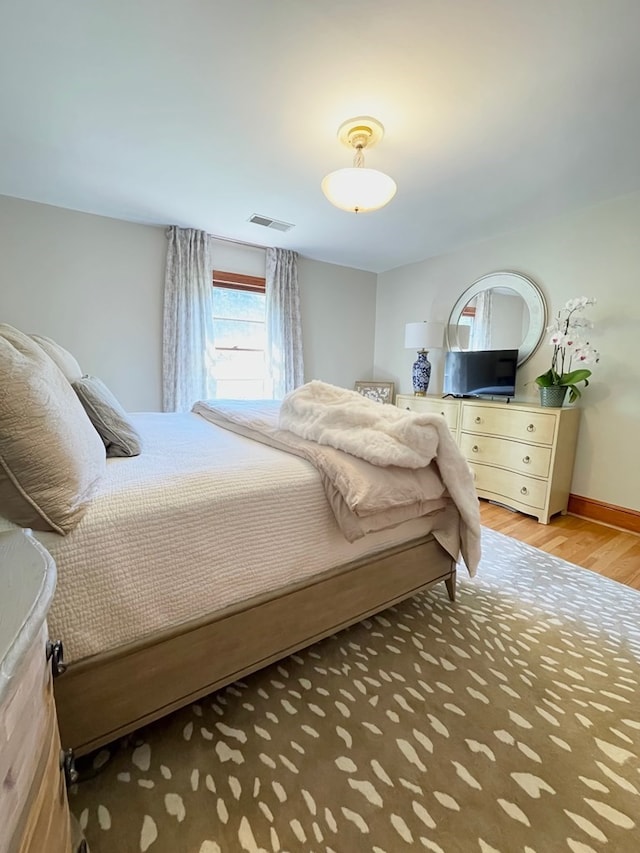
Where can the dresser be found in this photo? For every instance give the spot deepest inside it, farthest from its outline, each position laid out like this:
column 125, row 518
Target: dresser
column 521, row 455
column 34, row 812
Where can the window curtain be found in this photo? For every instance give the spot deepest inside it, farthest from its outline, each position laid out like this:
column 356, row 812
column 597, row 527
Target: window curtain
column 283, row 324
column 187, row 338
column 481, row 328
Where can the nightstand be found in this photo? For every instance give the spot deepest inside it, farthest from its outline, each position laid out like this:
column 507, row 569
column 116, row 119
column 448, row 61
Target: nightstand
column 34, row 812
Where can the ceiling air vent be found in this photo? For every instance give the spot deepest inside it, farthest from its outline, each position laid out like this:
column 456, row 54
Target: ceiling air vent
column 267, row 222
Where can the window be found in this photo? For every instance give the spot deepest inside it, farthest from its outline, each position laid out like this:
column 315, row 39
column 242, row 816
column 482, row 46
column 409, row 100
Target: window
column 466, row 319
column 239, row 337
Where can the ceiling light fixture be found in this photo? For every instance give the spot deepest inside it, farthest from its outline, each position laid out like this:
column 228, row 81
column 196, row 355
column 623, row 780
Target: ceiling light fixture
column 359, row 190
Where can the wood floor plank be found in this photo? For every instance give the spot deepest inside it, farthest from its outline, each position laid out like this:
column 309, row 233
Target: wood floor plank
column 609, row 551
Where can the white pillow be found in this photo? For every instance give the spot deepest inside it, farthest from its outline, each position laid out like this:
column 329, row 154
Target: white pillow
column 51, row 457
column 60, row 356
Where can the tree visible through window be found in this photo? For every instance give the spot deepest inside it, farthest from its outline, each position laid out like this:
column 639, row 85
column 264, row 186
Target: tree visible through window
column 240, row 369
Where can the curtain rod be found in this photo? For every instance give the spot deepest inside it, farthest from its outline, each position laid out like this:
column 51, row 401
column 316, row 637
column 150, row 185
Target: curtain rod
column 238, row 242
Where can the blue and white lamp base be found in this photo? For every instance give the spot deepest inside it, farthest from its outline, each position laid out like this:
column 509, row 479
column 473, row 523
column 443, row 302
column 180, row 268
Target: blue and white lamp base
column 421, row 374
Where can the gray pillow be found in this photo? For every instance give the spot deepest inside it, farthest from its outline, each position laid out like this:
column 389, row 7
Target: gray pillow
column 108, row 417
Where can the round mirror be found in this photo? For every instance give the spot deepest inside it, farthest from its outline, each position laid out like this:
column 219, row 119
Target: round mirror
column 502, row 310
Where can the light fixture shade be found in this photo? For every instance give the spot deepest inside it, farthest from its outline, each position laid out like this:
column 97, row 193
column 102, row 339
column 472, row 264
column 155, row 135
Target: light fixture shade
column 423, row 335
column 359, row 190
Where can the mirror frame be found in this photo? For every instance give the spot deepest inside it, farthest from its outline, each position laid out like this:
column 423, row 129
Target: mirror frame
column 526, row 288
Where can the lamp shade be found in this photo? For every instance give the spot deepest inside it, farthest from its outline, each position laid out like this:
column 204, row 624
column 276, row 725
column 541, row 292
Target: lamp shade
column 423, row 335
column 359, row 190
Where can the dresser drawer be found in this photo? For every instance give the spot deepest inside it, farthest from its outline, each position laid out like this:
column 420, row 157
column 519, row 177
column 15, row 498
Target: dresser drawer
column 538, row 427
column 516, row 455
column 447, row 408
column 510, row 485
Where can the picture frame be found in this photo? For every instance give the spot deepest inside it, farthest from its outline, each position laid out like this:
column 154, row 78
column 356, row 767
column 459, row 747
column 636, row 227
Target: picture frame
column 381, row 392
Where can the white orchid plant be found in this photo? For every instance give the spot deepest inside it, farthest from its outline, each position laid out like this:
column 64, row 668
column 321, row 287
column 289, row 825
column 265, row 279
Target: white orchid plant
column 571, row 349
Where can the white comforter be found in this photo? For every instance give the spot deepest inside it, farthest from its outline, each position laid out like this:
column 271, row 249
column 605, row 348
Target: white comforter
column 201, row 520
column 379, row 465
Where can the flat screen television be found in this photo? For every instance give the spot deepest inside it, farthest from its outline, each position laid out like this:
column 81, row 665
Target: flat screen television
column 486, row 373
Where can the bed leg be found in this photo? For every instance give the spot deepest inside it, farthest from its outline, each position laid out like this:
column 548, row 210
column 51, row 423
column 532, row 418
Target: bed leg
column 450, row 583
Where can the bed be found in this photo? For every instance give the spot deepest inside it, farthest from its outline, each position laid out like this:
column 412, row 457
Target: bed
column 206, row 557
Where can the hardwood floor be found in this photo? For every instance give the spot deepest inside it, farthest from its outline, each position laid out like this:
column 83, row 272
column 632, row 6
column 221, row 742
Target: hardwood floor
column 607, row 550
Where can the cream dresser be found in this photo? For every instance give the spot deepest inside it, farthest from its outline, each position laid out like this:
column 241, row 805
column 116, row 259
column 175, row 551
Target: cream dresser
column 34, row 813
column 521, row 455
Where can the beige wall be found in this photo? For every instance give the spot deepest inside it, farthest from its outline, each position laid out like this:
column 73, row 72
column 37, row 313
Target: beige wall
column 91, row 283
column 595, row 252
column 338, row 318
column 338, row 306
column 95, row 285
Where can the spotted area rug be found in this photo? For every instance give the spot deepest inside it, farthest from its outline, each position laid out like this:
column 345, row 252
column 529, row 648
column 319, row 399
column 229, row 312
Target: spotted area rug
column 506, row 721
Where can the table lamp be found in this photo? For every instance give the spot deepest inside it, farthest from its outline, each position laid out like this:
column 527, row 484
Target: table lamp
column 422, row 337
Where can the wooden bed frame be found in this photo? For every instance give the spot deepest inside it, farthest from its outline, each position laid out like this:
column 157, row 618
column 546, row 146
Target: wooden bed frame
column 109, row 695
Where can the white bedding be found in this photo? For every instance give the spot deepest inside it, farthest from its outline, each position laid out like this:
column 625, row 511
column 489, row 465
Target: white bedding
column 366, row 491
column 199, row 521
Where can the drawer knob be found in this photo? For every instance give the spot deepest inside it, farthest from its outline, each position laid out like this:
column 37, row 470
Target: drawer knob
column 526, row 459
column 524, row 490
column 475, row 448
column 442, row 413
column 408, row 408
column 55, row 652
column 478, row 419
column 531, row 428
column 68, row 767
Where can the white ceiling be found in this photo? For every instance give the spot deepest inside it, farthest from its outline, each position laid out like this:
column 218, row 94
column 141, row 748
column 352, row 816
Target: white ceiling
column 498, row 113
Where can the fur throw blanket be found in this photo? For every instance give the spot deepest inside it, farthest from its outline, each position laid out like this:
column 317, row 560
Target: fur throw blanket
column 381, row 434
